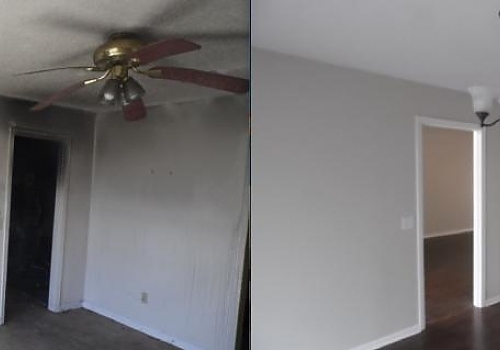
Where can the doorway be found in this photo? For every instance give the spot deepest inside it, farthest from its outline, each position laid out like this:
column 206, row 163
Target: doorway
column 243, row 334
column 471, row 287
column 33, row 194
column 37, row 151
column 448, row 221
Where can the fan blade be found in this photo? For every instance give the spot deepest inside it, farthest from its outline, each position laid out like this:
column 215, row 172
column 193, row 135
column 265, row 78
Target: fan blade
column 199, row 77
column 134, row 110
column 89, row 69
column 58, row 96
column 67, row 91
column 161, row 49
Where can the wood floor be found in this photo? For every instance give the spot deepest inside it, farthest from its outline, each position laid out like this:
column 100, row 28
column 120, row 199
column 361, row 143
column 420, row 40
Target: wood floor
column 29, row 326
column 474, row 329
column 448, row 276
column 452, row 321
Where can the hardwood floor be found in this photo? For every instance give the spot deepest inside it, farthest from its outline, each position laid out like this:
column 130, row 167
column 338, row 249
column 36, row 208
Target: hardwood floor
column 474, row 329
column 452, row 321
column 29, row 326
column 448, row 276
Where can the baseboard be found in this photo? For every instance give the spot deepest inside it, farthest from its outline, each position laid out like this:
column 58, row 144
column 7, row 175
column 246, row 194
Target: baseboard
column 392, row 338
column 68, row 306
column 138, row 327
column 492, row 301
column 448, row 233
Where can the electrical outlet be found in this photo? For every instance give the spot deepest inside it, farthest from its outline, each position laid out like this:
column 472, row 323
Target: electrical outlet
column 144, row 297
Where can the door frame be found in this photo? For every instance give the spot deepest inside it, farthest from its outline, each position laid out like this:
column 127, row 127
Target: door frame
column 60, row 214
column 479, row 249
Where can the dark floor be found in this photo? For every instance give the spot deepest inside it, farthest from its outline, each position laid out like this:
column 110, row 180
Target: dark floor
column 474, row 329
column 452, row 321
column 31, row 327
column 448, row 276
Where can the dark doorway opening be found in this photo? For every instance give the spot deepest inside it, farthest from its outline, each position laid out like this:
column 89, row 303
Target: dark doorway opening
column 246, row 322
column 34, row 181
column 243, row 336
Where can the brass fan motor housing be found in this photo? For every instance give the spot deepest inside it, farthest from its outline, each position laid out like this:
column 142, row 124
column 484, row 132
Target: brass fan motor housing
column 116, row 50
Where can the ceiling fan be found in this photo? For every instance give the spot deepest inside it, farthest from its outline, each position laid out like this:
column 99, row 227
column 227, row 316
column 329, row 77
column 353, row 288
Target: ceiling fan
column 125, row 53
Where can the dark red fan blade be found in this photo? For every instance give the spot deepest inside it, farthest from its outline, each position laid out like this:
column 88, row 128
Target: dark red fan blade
column 161, row 49
column 203, row 78
column 134, row 110
column 57, row 96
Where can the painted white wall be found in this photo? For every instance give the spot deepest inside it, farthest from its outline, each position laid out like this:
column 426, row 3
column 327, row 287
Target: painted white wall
column 169, row 216
column 79, row 127
column 333, row 172
column 448, row 181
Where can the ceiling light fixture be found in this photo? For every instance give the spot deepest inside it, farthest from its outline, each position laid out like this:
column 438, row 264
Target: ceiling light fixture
column 482, row 99
column 132, row 90
column 109, row 92
column 123, row 92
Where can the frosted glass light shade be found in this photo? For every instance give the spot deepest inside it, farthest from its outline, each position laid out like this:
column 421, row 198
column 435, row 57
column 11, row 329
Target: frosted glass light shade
column 109, row 92
column 482, row 99
column 132, row 90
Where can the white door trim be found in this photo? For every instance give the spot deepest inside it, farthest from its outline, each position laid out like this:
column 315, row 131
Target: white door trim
column 60, row 211
column 479, row 280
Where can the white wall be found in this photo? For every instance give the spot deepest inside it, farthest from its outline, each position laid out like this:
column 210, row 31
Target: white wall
column 79, row 127
column 169, row 216
column 333, row 172
column 448, row 181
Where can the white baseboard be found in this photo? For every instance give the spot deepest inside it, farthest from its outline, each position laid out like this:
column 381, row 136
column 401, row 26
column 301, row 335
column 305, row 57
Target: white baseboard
column 70, row 306
column 448, row 233
column 392, row 338
column 132, row 324
column 492, row 301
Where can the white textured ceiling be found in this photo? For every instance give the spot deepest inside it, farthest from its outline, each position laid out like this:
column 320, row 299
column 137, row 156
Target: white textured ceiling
column 448, row 43
column 36, row 34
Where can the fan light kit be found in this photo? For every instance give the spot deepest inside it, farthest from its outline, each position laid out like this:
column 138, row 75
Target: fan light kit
column 482, row 99
column 124, row 53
